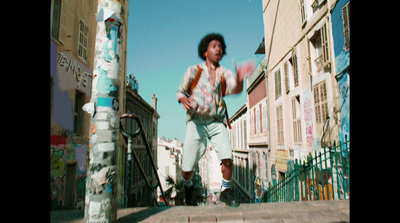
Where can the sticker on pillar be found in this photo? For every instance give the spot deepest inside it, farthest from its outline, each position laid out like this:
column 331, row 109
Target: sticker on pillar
column 110, row 184
column 105, row 147
column 115, row 104
column 104, row 84
column 104, row 104
column 107, row 102
column 94, row 208
column 104, row 14
column 89, row 108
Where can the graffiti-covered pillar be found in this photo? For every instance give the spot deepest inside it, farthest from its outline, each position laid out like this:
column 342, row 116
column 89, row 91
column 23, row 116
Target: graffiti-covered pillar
column 101, row 190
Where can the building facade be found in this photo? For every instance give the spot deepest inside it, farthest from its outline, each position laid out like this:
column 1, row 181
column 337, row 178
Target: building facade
column 298, row 95
column 72, row 43
column 169, row 158
column 140, row 194
column 302, row 89
column 259, row 136
column 209, row 175
column 243, row 172
column 341, row 37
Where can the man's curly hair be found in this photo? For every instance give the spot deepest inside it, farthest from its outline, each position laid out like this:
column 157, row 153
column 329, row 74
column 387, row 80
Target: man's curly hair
column 203, row 45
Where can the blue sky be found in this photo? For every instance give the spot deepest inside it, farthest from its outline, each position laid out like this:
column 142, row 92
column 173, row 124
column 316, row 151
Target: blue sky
column 163, row 37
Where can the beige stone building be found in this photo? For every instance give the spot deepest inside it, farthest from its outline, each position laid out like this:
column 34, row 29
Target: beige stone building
column 72, row 44
column 139, row 194
column 300, row 70
column 243, row 173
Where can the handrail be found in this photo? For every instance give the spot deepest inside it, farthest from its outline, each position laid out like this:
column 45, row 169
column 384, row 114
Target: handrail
column 130, row 136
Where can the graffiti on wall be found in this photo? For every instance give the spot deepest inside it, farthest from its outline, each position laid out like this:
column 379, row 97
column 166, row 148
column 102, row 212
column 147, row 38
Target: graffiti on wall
column 308, row 112
column 65, row 149
column 73, row 74
column 259, row 190
column 344, row 97
column 68, row 73
column 57, row 171
column 342, row 59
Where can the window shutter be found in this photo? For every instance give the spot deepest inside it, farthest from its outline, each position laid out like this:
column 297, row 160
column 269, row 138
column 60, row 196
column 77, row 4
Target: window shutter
column 325, row 45
column 63, row 21
column 286, row 70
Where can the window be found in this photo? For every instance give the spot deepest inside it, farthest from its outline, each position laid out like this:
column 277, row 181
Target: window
column 83, row 40
column 346, row 26
column 316, row 42
column 59, row 20
column 296, row 120
column 325, row 46
column 242, row 135
column 293, row 61
column 303, row 11
column 315, row 6
column 245, row 133
column 251, row 123
column 257, row 119
column 321, row 102
column 279, row 124
column 278, row 88
column 237, row 130
column 234, row 136
column 286, row 73
column 320, row 43
column 78, row 112
column 264, row 117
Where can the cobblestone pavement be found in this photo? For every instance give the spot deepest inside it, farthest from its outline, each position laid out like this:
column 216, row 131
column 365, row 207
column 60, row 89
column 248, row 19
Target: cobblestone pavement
column 299, row 212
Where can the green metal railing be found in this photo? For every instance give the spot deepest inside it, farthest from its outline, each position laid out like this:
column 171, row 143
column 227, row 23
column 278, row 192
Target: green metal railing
column 325, row 175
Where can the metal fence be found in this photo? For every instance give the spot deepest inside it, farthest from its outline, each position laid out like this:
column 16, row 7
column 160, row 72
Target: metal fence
column 325, row 175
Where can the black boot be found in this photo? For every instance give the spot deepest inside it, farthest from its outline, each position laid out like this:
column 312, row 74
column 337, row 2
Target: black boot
column 229, row 198
column 189, row 198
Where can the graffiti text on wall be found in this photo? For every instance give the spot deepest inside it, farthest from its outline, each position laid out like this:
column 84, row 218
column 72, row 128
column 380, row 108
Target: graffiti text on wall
column 70, row 66
column 57, row 171
column 308, row 118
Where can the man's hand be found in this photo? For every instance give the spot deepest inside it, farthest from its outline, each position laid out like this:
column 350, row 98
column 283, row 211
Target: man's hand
column 186, row 102
column 245, row 69
column 242, row 71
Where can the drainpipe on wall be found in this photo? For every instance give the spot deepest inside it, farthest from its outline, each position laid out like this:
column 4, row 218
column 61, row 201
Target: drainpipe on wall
column 269, row 124
column 102, row 175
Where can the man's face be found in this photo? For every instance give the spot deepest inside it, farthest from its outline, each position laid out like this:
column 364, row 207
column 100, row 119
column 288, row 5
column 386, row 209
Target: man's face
column 214, row 51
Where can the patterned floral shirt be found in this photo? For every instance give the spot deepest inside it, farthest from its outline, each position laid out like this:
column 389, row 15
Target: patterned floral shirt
column 209, row 103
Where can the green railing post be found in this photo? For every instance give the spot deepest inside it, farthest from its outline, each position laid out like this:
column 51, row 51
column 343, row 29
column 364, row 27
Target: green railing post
column 284, row 188
column 322, row 175
column 294, row 186
column 327, row 174
column 308, row 177
column 333, row 155
column 312, row 175
column 296, row 192
column 269, row 192
column 337, row 172
column 316, row 175
column 302, row 180
column 280, row 194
